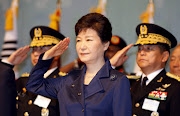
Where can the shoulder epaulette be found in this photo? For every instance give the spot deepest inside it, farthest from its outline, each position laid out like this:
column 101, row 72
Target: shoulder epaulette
column 133, row 77
column 173, row 76
column 25, row 75
column 62, row 73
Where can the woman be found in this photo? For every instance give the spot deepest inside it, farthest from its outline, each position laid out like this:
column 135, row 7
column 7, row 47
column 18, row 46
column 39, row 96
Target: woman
column 97, row 89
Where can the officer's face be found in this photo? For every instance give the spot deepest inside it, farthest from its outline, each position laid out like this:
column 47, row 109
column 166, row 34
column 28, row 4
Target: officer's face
column 89, row 47
column 175, row 61
column 36, row 52
column 149, row 58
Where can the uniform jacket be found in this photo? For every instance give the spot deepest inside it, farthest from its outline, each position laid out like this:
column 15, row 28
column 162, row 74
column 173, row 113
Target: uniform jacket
column 161, row 83
column 7, row 90
column 108, row 94
column 26, row 99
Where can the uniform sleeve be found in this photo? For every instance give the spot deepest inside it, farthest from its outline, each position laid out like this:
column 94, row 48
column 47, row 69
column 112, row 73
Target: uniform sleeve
column 38, row 84
column 7, row 90
column 122, row 98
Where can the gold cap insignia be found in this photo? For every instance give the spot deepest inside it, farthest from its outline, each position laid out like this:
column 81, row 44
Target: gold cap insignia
column 143, row 29
column 37, row 32
column 154, row 34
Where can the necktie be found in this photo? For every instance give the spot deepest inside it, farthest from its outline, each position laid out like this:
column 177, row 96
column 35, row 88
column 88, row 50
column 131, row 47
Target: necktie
column 144, row 82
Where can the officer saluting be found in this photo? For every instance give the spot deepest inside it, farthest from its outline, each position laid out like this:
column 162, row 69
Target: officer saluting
column 158, row 94
column 30, row 104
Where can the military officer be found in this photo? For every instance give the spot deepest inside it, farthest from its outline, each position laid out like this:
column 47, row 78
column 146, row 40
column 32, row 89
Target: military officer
column 43, row 38
column 7, row 82
column 154, row 94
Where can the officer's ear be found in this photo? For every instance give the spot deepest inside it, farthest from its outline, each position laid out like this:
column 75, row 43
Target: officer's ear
column 106, row 45
column 165, row 56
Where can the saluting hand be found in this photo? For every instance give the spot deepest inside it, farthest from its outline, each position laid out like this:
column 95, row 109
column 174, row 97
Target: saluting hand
column 120, row 57
column 19, row 55
column 57, row 50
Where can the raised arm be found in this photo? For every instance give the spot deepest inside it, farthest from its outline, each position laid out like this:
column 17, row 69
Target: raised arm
column 120, row 57
column 57, row 50
column 19, row 55
column 39, row 85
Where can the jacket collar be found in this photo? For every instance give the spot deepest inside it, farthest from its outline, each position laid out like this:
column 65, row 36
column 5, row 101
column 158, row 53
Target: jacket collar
column 95, row 86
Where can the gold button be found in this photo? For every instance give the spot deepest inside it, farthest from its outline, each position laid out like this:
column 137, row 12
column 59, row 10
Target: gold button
column 54, row 76
column 134, row 115
column 24, row 90
column 79, row 94
column 137, row 104
column 30, row 102
column 72, row 85
column 26, row 114
column 17, row 98
column 82, row 110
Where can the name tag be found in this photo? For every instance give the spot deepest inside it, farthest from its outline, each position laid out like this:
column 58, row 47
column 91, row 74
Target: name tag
column 151, row 105
column 42, row 101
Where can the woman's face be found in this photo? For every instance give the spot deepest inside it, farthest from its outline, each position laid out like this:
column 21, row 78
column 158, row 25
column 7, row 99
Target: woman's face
column 89, row 47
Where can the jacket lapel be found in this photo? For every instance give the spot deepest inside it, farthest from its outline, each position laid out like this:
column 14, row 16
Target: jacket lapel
column 77, row 88
column 95, row 85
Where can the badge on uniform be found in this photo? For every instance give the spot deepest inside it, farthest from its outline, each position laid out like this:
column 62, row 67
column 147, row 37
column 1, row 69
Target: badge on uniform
column 44, row 112
column 151, row 105
column 113, row 77
column 154, row 114
column 42, row 101
column 159, row 95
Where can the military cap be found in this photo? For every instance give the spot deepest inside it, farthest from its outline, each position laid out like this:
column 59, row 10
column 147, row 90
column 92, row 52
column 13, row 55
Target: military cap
column 44, row 36
column 154, row 34
column 118, row 41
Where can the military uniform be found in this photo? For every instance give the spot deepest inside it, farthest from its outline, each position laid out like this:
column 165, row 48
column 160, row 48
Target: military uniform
column 160, row 96
column 30, row 104
column 25, row 99
column 162, row 84
column 7, row 90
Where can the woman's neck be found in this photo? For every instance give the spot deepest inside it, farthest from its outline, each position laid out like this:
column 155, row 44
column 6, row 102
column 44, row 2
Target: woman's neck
column 92, row 70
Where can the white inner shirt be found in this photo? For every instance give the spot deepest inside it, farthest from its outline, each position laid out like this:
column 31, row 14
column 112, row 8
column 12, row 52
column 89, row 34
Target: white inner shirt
column 151, row 76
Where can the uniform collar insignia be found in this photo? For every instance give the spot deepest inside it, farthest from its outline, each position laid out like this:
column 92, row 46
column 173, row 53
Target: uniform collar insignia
column 166, row 85
column 160, row 89
column 160, row 79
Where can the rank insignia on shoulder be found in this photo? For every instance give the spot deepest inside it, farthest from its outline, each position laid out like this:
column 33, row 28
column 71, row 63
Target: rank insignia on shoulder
column 113, row 77
column 133, row 77
column 166, row 85
column 62, row 74
column 25, row 75
column 173, row 76
column 159, row 95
